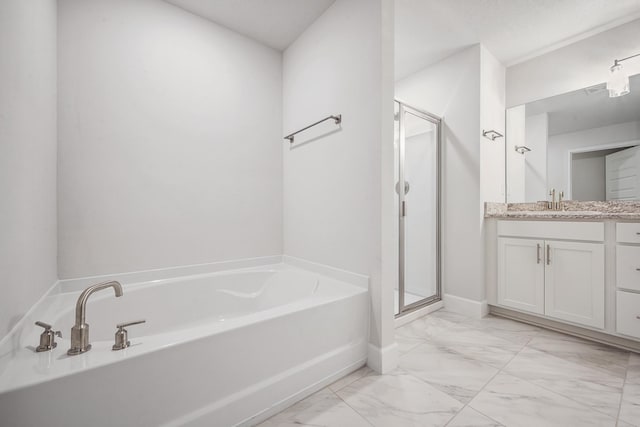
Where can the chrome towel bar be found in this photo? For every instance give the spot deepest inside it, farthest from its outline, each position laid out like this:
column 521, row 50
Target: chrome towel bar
column 492, row 134
column 337, row 119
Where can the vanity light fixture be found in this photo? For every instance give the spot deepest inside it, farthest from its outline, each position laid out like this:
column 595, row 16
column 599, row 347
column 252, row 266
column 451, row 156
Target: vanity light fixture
column 618, row 84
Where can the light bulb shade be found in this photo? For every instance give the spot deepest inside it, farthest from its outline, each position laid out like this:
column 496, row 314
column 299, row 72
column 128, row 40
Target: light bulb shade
column 618, row 84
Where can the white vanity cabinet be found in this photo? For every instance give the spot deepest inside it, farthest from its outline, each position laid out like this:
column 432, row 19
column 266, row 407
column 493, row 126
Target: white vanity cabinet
column 628, row 279
column 555, row 269
column 521, row 274
column 574, row 282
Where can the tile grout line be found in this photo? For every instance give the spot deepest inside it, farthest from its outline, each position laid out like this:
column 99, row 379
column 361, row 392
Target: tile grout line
column 624, row 383
column 425, row 341
column 352, row 408
column 350, row 382
column 561, row 394
column 593, row 345
column 500, row 370
column 491, row 379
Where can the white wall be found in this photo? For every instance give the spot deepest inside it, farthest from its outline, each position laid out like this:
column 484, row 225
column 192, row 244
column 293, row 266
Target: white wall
column 27, row 155
column 535, row 161
column 170, row 139
column 559, row 146
column 332, row 176
column 515, row 137
column 451, row 89
column 581, row 64
column 492, row 117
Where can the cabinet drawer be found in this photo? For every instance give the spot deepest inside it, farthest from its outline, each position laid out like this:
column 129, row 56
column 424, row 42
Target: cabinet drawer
column 557, row 230
column 628, row 232
column 628, row 314
column 628, row 267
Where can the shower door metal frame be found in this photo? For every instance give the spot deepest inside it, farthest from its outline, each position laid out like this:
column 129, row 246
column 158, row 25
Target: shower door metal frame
column 402, row 211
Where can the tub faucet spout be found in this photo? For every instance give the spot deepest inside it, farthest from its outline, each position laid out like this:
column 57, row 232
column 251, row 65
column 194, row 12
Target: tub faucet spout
column 80, row 331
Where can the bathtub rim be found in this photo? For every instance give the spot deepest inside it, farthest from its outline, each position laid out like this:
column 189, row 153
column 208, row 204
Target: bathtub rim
column 21, row 327
column 195, row 333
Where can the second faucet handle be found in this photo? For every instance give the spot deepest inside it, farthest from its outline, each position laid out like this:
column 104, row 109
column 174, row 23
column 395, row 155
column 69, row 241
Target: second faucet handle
column 122, row 337
column 47, row 338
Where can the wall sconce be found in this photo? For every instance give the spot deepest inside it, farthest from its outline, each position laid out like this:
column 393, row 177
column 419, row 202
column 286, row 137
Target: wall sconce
column 618, row 84
column 522, row 149
column 492, row 134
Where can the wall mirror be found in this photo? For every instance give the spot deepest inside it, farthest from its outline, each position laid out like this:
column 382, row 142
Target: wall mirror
column 583, row 143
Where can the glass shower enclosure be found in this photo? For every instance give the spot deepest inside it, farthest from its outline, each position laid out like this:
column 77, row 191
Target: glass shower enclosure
column 417, row 154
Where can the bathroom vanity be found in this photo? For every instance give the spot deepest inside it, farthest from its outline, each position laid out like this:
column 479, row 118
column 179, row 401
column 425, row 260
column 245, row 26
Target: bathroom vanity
column 576, row 270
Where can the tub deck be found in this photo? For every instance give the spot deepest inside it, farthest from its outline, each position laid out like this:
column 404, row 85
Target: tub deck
column 218, row 349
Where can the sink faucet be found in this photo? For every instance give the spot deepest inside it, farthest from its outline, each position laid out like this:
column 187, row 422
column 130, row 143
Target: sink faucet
column 80, row 331
column 560, row 201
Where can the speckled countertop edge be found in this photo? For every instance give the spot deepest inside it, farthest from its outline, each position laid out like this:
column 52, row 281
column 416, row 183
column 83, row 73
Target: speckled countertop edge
column 629, row 211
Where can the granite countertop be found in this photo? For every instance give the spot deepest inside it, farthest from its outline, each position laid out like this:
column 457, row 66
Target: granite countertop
column 623, row 210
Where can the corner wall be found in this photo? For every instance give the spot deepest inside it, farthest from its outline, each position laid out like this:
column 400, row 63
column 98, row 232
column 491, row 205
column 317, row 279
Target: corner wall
column 467, row 90
column 492, row 117
column 332, row 175
column 170, row 139
column 451, row 89
column 27, row 155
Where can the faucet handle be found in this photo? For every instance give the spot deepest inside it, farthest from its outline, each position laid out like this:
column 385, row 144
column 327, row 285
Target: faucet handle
column 46, row 326
column 47, row 338
column 122, row 336
column 134, row 322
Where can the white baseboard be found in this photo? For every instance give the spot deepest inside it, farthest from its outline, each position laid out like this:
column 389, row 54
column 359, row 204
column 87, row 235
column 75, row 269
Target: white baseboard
column 383, row 360
column 416, row 314
column 466, row 307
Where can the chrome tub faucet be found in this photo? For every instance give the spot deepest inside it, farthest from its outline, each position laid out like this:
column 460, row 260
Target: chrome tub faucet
column 80, row 331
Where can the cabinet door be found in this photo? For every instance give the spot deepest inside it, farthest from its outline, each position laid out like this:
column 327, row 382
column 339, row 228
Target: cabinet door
column 521, row 274
column 574, row 282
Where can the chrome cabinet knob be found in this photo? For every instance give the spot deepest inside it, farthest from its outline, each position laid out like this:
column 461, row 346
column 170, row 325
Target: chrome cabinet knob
column 47, row 338
column 122, row 336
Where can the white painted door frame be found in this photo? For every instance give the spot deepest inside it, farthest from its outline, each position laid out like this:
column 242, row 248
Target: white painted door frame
column 601, row 147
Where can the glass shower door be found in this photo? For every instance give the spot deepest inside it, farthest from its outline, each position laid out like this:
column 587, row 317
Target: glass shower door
column 418, row 154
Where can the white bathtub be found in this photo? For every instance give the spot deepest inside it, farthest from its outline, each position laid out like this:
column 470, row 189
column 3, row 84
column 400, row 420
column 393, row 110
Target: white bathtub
column 217, row 349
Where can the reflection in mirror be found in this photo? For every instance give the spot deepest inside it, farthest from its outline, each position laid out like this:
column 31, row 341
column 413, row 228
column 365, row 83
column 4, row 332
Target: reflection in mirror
column 582, row 143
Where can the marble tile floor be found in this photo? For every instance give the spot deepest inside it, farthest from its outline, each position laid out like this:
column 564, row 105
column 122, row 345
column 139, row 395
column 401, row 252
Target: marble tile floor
column 455, row 371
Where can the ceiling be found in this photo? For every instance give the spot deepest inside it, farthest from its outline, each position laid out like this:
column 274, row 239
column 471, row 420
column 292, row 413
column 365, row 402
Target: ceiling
column 276, row 23
column 587, row 109
column 427, row 31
